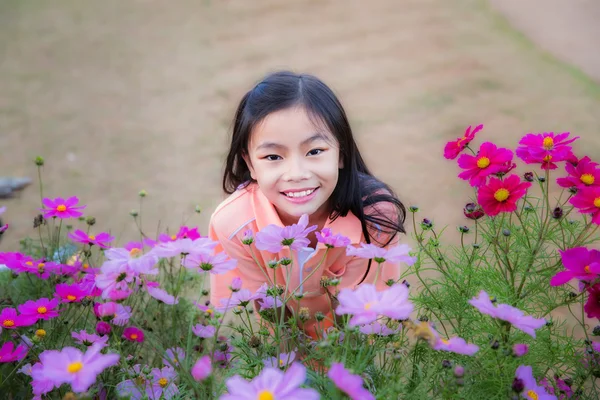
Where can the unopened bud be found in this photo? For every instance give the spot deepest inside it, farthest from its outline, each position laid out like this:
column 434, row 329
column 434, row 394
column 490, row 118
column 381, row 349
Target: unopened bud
column 197, row 209
column 528, row 176
column 39, row 161
column 426, row 224
column 518, row 385
column 413, row 209
column 557, row 213
column 90, row 221
column 319, row 316
column 143, row 193
column 463, row 229
column 303, row 314
column 133, row 213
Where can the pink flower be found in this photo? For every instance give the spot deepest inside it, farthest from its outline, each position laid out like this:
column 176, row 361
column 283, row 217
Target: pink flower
column 204, row 331
column 545, row 148
column 379, row 329
column 9, row 319
column 532, row 390
column 101, row 240
column 88, row 339
column 587, row 200
column 456, row 345
column 330, row 240
column 61, row 208
column 348, row 383
column 236, row 284
column 160, row 294
column 282, row 361
column 133, row 334
column 248, row 237
column 174, row 357
column 113, row 279
column 103, row 328
column 70, row 293
column 238, row 299
column 366, row 304
column 40, row 383
column 395, row 254
column 585, row 174
column 40, row 309
column 7, row 355
column 78, row 369
column 272, row 383
column 581, row 263
column 592, row 306
column 507, row 313
column 272, row 238
column 490, row 160
column 186, row 247
column 122, row 315
column 501, row 196
column 520, row 349
column 202, row 369
column 105, row 311
column 453, row 149
column 215, row 264
column 132, row 256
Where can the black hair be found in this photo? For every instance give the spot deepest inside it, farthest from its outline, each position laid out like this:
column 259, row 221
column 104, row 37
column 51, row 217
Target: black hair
column 357, row 189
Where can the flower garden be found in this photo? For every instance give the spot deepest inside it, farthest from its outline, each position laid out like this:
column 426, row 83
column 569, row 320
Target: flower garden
column 507, row 313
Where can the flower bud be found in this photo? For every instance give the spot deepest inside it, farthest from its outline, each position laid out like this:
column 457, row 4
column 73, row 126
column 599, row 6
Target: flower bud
column 520, row 349
column 236, row 284
column 273, row 264
column 446, row 364
column 506, row 232
column 133, row 213
column 90, row 221
column 557, row 213
column 573, row 190
column 303, row 314
column 39, row 161
column 463, row 229
column 204, row 292
column 528, row 176
column 319, row 316
column 413, row 209
column 473, row 211
column 143, row 193
column 254, row 342
column 390, row 282
column 518, row 385
column 459, row 371
column 197, row 209
column 426, row 224
column 541, row 179
column 285, row 261
column 596, row 331
column 495, row 345
column 103, row 328
column 248, row 239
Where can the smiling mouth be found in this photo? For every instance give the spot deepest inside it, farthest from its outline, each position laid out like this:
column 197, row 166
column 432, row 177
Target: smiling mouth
column 298, row 194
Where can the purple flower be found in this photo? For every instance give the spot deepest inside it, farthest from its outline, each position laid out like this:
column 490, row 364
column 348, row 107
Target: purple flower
column 160, row 294
column 204, row 331
column 186, row 247
column 61, row 208
column 520, row 349
column 163, row 383
column 236, row 284
column 272, row 238
column 114, row 278
column 395, row 254
column 456, row 345
column 248, row 237
column 78, row 369
column 330, row 240
column 241, row 299
column 41, row 384
column 131, row 256
column 88, row 339
column 580, row 263
column 202, row 369
column 348, row 383
column 272, row 383
column 507, row 313
column 532, row 389
column 137, row 387
column 379, row 329
column 282, row 361
column 268, row 302
column 174, row 357
column 7, row 355
column 214, row 263
column 366, row 304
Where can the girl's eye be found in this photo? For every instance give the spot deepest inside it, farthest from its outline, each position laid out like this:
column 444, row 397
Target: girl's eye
column 314, row 152
column 272, row 157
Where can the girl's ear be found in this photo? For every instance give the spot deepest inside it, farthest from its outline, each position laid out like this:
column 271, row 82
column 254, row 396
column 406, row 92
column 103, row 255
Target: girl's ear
column 246, row 158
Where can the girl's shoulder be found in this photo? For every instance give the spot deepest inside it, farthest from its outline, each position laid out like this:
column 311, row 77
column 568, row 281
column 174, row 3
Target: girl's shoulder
column 234, row 212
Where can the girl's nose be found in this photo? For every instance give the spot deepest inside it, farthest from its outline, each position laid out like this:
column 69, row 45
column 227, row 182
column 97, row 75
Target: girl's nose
column 296, row 171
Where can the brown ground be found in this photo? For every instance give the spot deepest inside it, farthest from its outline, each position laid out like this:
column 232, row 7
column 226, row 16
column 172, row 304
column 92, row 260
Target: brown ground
column 123, row 96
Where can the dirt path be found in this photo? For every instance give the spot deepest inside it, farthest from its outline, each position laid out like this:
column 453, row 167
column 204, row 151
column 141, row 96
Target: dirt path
column 123, row 96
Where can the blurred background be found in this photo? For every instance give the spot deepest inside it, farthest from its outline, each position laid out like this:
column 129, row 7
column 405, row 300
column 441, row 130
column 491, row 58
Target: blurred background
column 119, row 96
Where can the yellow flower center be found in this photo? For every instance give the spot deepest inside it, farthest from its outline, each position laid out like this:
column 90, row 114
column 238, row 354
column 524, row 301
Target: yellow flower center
column 281, row 363
column 532, row 395
column 8, row 323
column 40, row 333
column 92, row 237
column 368, row 306
column 75, row 367
column 548, row 158
column 266, row 395
column 163, row 382
column 86, row 266
column 41, row 267
column 71, row 297
column 587, row 269
column 42, row 310
column 134, row 336
column 483, row 162
column 501, row 194
column 597, row 202
column 135, row 252
column 209, row 311
column 61, row 208
column 29, row 263
column 587, row 179
column 445, row 341
column 548, row 143
column 173, row 237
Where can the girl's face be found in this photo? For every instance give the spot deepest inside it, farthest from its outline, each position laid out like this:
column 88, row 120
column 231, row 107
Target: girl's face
column 295, row 164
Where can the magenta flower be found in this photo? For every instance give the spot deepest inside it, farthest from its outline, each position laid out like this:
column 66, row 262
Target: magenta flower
column 78, row 369
column 587, row 200
column 70, row 293
column 453, row 149
column 101, row 240
column 507, row 313
column 105, row 311
column 202, row 369
column 272, row 383
column 160, row 294
column 133, row 334
column 532, row 390
column 501, row 195
column 348, row 383
column 40, row 268
column 545, row 148
column 282, row 361
column 580, row 263
column 103, row 328
column 520, row 349
column 186, row 247
column 366, row 304
column 272, row 238
column 88, row 339
column 215, row 264
column 330, row 240
column 592, row 306
column 395, row 254
column 585, row 174
column 61, row 208
column 9, row 319
column 163, row 383
column 379, row 329
column 204, row 331
column 7, row 355
column 174, row 357
column 40, row 309
column 489, row 160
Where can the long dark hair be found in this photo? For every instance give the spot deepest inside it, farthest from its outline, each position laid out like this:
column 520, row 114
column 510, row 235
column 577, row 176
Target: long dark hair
column 357, row 189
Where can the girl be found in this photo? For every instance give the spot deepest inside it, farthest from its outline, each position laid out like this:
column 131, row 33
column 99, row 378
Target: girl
column 292, row 153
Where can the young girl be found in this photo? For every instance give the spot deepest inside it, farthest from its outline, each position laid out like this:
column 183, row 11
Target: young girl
column 292, row 153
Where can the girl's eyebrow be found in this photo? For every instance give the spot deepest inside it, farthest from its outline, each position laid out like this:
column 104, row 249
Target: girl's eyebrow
column 273, row 145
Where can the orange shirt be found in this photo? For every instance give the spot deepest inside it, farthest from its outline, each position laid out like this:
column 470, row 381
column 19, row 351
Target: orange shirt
column 248, row 208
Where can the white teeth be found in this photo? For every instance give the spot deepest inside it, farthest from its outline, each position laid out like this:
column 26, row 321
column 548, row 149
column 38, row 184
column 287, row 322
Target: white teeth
column 300, row 194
